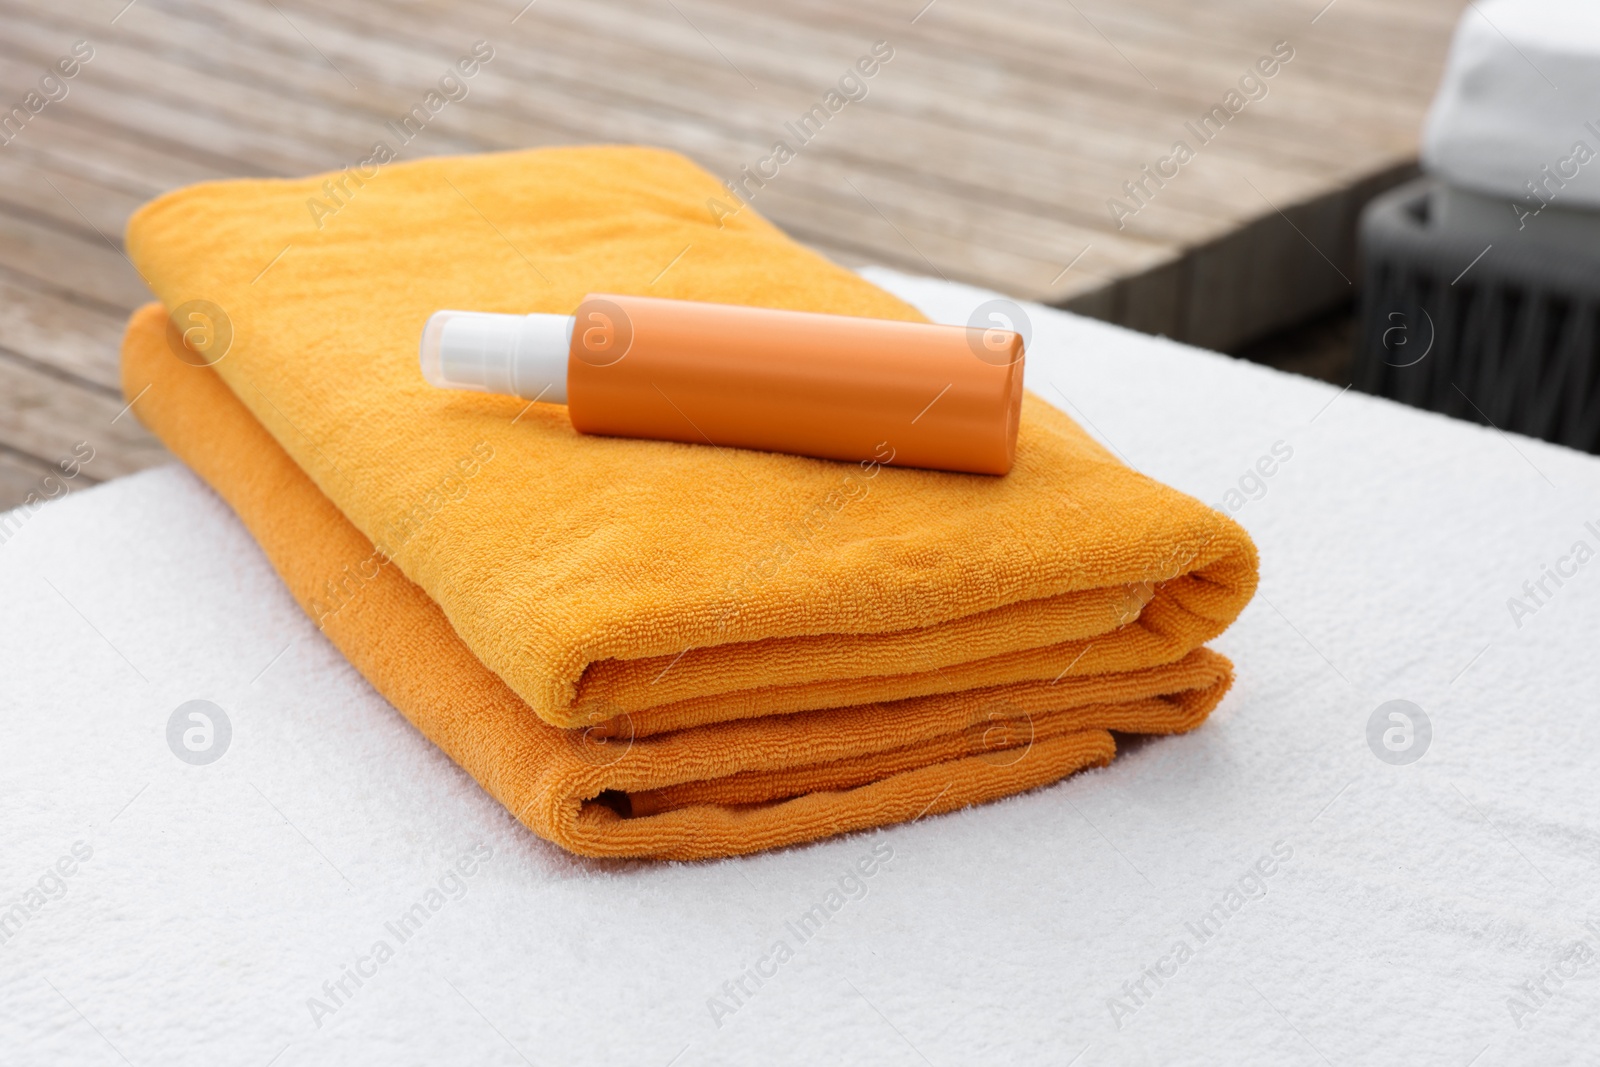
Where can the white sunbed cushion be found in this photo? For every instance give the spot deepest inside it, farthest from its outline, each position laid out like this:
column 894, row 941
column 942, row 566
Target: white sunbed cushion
column 1520, row 92
column 1403, row 908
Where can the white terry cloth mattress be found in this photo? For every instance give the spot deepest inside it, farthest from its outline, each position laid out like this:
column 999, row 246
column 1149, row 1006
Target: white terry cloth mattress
column 1332, row 907
column 1517, row 113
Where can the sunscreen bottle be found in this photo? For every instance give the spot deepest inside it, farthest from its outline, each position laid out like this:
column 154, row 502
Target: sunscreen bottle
column 907, row 394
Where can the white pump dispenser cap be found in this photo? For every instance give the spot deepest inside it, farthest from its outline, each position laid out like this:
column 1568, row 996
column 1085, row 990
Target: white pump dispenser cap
column 523, row 355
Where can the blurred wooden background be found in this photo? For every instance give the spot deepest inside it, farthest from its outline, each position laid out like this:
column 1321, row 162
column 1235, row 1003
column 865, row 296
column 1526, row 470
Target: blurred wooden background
column 987, row 150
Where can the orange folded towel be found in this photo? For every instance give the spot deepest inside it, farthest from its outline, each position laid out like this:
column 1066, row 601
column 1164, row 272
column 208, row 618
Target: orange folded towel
column 702, row 792
column 649, row 648
column 650, row 586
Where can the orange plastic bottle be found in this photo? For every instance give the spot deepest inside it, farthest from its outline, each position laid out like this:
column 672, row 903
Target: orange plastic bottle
column 831, row 386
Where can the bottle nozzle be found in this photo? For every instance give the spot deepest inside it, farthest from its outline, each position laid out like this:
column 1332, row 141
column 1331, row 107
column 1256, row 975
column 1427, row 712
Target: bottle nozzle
column 523, row 355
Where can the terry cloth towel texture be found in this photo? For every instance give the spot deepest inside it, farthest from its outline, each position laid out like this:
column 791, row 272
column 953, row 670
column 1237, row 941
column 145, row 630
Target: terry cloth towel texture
column 638, row 587
column 706, row 791
column 679, row 583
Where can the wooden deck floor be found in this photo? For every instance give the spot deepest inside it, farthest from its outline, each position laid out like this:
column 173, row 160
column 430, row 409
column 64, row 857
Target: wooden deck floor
column 988, row 149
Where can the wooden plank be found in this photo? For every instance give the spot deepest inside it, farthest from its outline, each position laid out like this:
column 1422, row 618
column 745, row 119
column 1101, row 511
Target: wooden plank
column 61, row 201
column 113, row 158
column 988, row 150
column 960, row 214
column 47, row 330
column 67, row 262
column 50, row 420
column 593, row 116
column 22, row 476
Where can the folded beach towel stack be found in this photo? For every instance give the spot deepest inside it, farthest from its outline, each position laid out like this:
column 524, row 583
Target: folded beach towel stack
column 649, row 648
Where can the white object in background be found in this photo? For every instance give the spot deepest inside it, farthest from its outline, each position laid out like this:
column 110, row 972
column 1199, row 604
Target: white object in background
column 1520, row 94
